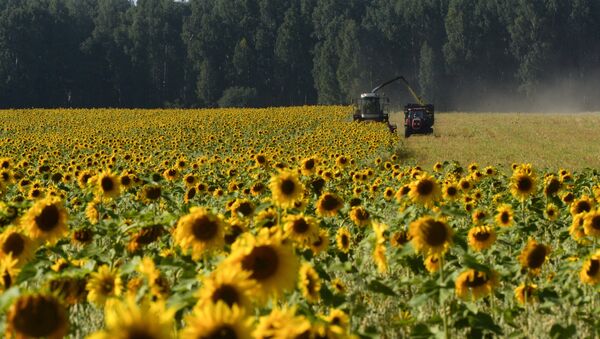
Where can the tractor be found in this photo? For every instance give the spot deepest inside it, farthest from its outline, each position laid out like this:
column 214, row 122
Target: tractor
column 418, row 118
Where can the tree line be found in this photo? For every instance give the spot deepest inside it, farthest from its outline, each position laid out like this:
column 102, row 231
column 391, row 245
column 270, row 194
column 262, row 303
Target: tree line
column 459, row 54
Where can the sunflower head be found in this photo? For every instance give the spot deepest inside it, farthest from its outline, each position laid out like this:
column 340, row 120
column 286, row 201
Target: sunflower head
column 523, row 185
column 590, row 271
column 481, row 237
column 309, row 283
column 430, row 235
column 504, row 216
column 343, row 239
column 526, row 294
column 329, row 204
column 227, row 284
column 591, row 224
column 552, row 185
column 475, row 284
column 533, row 256
column 200, row 232
column 301, row 229
column 360, row 216
column 424, row 190
column 108, row 185
column 46, row 220
column 37, row 315
column 286, row 188
column 582, row 205
column 104, row 284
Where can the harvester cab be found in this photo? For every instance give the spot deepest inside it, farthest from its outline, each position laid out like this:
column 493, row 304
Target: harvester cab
column 418, row 118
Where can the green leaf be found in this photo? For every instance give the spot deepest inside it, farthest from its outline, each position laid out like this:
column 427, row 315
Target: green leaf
column 558, row 331
column 379, row 287
column 421, row 331
column 471, row 262
column 7, row 298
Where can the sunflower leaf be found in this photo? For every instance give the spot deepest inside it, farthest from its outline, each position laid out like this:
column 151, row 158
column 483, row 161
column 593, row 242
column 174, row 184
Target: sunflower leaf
column 379, row 287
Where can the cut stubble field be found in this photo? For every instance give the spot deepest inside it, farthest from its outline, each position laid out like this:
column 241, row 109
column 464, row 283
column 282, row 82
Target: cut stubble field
column 546, row 140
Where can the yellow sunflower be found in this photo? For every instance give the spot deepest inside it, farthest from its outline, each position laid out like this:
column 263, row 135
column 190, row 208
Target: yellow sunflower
column 104, row 284
column 475, row 284
column 343, row 239
column 590, row 271
column 16, row 244
column 130, row 318
column 329, row 204
column 242, row 208
column 432, row 263
column 9, row 270
column 286, row 188
column 504, row 217
column 270, row 260
column 552, row 185
column 107, row 185
column 229, row 285
column 309, row 283
column 576, row 229
column 481, row 237
column 522, row 185
column 430, row 235
column 46, row 220
column 200, row 232
column 450, row 191
column 551, row 212
column 533, row 256
column 321, row 242
column 582, row 205
column 360, row 216
column 526, row 294
column 37, row 315
column 591, row 224
column 300, row 228
column 217, row 321
column 425, row 190
column 479, row 216
column 282, row 323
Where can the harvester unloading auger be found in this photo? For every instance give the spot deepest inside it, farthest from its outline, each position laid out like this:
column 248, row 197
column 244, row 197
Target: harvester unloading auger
column 418, row 118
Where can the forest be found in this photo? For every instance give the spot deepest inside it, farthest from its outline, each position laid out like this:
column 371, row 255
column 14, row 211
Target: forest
column 459, row 54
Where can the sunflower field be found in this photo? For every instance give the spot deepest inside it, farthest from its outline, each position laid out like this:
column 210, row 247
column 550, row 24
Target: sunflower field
column 281, row 223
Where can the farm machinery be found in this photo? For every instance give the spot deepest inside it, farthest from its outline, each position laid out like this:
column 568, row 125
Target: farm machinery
column 418, row 118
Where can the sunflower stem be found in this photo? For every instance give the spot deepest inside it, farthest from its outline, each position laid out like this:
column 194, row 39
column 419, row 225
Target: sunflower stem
column 525, row 292
column 441, row 301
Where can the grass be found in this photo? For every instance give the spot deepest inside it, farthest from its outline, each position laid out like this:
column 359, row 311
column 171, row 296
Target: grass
column 547, row 140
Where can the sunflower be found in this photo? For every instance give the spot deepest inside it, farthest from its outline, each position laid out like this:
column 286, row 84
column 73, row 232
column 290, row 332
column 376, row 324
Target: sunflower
column 533, row 256
column 430, row 236
column 9, row 270
column 475, row 284
column 568, row 197
column 504, row 217
column 591, row 224
column 432, row 263
column 576, row 230
column 217, row 321
column 522, row 185
column 337, row 319
column 465, row 185
column 478, row 216
column 438, row 167
column 329, row 204
column 107, row 185
column 450, row 191
column 282, row 323
column 309, row 283
column 150, row 193
column 200, row 232
column 425, row 190
column 399, row 238
column 228, row 285
column 37, row 315
column 300, row 228
column 130, row 318
column 360, row 216
column 481, row 237
column 321, row 242
column 46, row 220
column 286, row 188
column 590, row 271
column 16, row 244
column 269, row 259
column 266, row 218
column 343, row 239
column 526, row 294
column 551, row 212
column 380, row 249
column 104, row 284
column 338, row 286
column 402, row 192
column 91, row 212
column 242, row 208
column 552, row 185
column 582, row 205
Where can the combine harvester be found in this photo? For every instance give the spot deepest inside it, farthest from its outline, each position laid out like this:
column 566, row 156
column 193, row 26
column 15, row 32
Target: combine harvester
column 418, row 118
